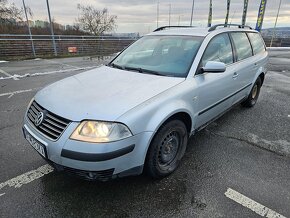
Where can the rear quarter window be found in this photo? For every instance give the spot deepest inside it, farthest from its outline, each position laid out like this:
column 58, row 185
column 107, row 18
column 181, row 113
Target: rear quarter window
column 257, row 42
column 242, row 45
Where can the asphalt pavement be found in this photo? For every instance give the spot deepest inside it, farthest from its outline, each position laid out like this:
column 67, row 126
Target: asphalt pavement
column 239, row 166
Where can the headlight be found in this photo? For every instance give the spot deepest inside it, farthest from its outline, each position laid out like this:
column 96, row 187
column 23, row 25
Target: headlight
column 97, row 131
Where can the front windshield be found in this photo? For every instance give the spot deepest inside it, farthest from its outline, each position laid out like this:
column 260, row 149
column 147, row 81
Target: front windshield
column 161, row 55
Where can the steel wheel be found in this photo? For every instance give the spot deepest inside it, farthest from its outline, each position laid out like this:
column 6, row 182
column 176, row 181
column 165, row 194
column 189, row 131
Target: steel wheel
column 166, row 149
column 254, row 94
column 254, row 91
column 169, row 148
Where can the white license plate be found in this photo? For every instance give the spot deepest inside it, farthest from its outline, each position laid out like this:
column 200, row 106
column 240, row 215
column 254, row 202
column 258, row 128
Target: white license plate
column 35, row 144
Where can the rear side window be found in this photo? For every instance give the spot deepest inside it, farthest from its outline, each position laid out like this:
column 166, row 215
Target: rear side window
column 219, row 49
column 242, row 44
column 257, row 42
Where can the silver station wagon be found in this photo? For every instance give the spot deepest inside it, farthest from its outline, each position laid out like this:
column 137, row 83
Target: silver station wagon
column 136, row 113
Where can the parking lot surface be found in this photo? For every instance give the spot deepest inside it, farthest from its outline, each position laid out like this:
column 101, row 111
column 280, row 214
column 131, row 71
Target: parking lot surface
column 237, row 167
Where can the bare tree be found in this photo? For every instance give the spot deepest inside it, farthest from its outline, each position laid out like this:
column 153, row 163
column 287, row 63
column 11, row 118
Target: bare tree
column 96, row 21
column 10, row 14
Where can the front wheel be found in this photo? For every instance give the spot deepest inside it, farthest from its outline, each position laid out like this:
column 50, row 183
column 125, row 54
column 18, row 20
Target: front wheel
column 254, row 94
column 166, row 149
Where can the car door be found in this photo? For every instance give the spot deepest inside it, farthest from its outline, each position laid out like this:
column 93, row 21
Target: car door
column 259, row 51
column 245, row 65
column 215, row 89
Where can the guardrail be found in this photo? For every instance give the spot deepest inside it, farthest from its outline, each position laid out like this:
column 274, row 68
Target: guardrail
column 20, row 46
column 278, row 42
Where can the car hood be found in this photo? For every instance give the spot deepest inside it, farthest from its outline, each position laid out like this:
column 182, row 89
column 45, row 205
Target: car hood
column 103, row 93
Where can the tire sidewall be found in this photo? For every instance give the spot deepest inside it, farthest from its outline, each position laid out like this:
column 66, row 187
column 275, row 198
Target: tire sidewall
column 152, row 160
column 252, row 100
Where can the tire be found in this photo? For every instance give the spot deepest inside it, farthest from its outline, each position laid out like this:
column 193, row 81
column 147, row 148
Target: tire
column 254, row 94
column 166, row 149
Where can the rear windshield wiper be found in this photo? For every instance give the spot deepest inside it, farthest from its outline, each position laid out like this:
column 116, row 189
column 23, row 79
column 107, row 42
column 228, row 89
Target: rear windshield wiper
column 142, row 70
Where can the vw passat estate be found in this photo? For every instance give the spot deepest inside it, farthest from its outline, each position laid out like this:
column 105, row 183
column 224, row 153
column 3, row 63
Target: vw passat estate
column 136, row 113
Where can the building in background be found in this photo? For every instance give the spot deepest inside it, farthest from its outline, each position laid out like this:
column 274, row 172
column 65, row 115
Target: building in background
column 58, row 26
column 23, row 23
column 41, row 23
column 280, row 32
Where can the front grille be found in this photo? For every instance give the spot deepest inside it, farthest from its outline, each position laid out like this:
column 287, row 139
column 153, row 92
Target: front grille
column 103, row 175
column 52, row 125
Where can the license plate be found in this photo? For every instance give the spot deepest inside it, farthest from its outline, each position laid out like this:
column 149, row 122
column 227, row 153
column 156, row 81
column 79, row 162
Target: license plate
column 34, row 143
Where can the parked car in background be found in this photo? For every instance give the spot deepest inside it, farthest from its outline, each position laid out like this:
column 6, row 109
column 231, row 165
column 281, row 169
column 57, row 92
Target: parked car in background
column 137, row 112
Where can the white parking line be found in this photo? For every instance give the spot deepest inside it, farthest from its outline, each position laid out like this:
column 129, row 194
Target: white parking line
column 55, row 62
column 2, row 194
column 28, row 177
column 7, row 74
column 17, row 77
column 10, row 94
column 252, row 205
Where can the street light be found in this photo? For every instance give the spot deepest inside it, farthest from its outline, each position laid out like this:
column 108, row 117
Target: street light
column 192, row 8
column 157, row 14
column 169, row 13
column 274, row 31
column 179, row 16
column 51, row 29
column 29, row 31
column 209, row 14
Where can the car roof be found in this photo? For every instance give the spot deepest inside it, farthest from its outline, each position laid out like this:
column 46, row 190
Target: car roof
column 197, row 31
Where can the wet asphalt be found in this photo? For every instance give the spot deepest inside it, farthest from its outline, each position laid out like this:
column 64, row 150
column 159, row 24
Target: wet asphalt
column 245, row 150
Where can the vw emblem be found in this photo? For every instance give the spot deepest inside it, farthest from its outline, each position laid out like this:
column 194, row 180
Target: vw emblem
column 39, row 118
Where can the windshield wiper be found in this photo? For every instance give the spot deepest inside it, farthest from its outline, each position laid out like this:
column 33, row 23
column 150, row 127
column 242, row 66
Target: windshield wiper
column 142, row 70
column 116, row 66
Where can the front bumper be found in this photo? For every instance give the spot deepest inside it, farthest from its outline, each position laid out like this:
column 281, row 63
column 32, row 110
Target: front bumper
column 116, row 159
column 102, row 175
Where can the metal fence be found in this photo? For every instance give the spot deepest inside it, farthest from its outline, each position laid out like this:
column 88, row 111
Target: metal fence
column 278, row 42
column 20, row 46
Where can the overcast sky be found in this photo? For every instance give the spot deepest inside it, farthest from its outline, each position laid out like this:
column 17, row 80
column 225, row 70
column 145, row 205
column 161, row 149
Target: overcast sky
column 140, row 15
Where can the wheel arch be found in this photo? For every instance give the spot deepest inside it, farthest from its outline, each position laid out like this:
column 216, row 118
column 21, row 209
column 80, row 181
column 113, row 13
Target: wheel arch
column 182, row 115
column 262, row 76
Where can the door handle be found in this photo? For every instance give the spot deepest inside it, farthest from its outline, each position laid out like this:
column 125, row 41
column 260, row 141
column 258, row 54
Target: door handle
column 235, row 75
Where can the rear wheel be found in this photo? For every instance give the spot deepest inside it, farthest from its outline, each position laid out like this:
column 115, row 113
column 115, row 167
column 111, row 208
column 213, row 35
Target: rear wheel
column 254, row 94
column 166, row 149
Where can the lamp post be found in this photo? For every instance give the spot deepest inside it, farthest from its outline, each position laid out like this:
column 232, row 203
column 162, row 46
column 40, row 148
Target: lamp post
column 29, row 31
column 192, row 8
column 157, row 23
column 179, row 18
column 51, row 29
column 169, row 13
column 274, row 31
column 209, row 14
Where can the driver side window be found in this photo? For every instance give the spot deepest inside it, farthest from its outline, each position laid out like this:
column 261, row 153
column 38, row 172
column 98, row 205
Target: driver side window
column 218, row 49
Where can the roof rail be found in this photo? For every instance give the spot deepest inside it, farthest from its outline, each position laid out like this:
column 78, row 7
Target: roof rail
column 167, row 27
column 228, row 25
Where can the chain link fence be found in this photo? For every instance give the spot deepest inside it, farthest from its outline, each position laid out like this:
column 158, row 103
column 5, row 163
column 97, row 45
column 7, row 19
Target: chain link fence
column 20, row 46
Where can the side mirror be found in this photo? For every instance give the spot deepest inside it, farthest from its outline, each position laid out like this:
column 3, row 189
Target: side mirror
column 214, row 67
